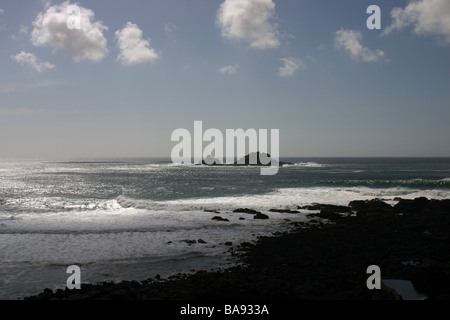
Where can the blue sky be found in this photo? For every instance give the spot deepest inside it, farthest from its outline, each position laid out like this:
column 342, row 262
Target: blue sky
column 138, row 70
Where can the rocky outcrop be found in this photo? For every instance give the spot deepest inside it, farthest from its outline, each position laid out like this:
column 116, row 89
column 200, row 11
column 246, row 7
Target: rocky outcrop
column 328, row 207
column 371, row 207
column 217, row 218
column 246, row 210
column 261, row 216
column 284, row 211
column 259, row 159
column 311, row 262
column 408, row 206
column 252, row 159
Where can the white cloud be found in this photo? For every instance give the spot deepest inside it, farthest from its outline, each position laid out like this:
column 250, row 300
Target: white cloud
column 1, row 11
column 351, row 41
column 249, row 20
column 133, row 48
column 86, row 43
column 229, row 69
column 26, row 59
column 290, row 66
column 427, row 17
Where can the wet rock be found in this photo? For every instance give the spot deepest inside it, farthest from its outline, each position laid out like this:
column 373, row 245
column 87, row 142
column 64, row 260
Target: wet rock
column 201, row 241
column 284, row 211
column 370, row 207
column 217, row 218
column 328, row 207
column 437, row 207
column 246, row 210
column 408, row 206
column 329, row 214
column 261, row 216
column 356, row 205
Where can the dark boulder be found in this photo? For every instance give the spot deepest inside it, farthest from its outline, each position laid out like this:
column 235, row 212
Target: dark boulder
column 356, row 205
column 261, row 216
column 210, row 161
column 284, row 211
column 329, row 214
column 246, row 210
column 260, row 159
column 407, row 206
column 437, row 207
column 371, row 207
column 217, row 218
column 328, row 207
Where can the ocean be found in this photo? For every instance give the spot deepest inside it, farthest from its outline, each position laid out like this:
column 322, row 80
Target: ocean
column 129, row 219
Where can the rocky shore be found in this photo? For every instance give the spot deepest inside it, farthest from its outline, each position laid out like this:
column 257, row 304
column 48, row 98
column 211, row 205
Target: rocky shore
column 325, row 258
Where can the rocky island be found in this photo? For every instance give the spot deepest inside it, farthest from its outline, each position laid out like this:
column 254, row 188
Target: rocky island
column 259, row 159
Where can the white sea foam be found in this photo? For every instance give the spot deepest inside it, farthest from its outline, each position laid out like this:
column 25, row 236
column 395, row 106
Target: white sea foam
column 307, row 165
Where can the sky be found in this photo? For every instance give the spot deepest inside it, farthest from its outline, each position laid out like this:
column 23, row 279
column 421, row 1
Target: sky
column 118, row 77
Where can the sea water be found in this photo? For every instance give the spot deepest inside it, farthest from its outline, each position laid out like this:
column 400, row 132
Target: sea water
column 129, row 219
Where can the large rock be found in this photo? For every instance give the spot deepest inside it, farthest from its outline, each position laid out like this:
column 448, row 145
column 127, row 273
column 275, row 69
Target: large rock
column 329, row 215
column 251, row 159
column 328, row 207
column 407, row 206
column 371, row 207
column 437, row 206
column 260, row 159
column 284, row 211
column 356, row 205
column 210, row 161
column 246, row 210
column 261, row 216
column 217, row 218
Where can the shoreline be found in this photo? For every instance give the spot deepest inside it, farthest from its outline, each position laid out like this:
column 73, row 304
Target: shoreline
column 325, row 258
